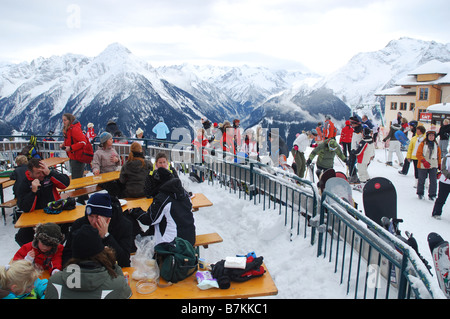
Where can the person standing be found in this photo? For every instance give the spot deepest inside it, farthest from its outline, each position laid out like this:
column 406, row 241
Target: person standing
column 394, row 145
column 412, row 151
column 444, row 187
column 329, row 130
column 161, row 130
column 428, row 163
column 346, row 138
column 444, row 134
column 326, row 152
column 298, row 151
column 74, row 142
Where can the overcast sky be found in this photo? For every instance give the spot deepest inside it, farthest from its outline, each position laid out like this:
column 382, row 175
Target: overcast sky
column 321, row 35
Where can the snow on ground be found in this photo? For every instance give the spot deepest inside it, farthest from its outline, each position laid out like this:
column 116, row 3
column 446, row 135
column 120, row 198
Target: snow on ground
column 296, row 270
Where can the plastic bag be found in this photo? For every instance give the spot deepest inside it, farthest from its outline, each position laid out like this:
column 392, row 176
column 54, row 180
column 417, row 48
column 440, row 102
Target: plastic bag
column 145, row 266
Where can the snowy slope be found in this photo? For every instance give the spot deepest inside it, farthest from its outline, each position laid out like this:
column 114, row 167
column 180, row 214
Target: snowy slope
column 296, row 270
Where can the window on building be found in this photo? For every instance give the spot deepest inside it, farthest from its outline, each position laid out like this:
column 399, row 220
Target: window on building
column 403, row 106
column 423, row 94
column 393, row 105
column 412, row 106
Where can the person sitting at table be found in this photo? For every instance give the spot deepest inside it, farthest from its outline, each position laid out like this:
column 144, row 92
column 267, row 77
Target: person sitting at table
column 99, row 275
column 170, row 214
column 39, row 188
column 19, row 172
column 104, row 213
column 106, row 160
column 134, row 172
column 152, row 184
column 45, row 250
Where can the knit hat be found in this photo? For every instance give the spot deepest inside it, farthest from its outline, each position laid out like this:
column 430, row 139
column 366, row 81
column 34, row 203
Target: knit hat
column 332, row 145
column 49, row 234
column 314, row 132
column 99, row 204
column 104, row 137
column 139, row 131
column 86, row 242
column 162, row 175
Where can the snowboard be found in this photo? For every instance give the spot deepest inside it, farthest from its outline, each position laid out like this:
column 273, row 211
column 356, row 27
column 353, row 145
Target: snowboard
column 402, row 138
column 329, row 173
column 341, row 188
column 380, row 199
column 440, row 251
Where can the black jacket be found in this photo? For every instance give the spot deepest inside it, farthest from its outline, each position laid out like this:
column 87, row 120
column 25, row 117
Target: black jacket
column 170, row 213
column 28, row 201
column 120, row 235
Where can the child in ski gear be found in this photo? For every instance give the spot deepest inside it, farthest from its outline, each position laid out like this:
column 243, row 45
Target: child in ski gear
column 346, row 138
column 428, row 163
column 100, row 276
column 325, row 155
column 45, row 251
column 106, row 158
column 90, row 132
column 19, row 280
column 394, row 145
column 152, row 183
column 19, row 172
column 298, row 151
column 444, row 187
column 364, row 155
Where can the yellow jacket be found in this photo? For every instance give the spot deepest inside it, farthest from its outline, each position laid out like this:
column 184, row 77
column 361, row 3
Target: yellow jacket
column 414, row 145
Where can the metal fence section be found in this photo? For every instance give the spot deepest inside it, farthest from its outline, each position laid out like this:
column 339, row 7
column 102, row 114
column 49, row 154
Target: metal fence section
column 370, row 261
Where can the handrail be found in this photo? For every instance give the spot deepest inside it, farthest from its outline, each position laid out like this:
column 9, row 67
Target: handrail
column 301, row 202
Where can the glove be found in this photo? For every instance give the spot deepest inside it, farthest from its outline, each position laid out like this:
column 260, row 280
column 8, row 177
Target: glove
column 425, row 163
column 308, row 162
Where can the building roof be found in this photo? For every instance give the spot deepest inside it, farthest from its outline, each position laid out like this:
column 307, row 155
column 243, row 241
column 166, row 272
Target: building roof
column 396, row 90
column 432, row 67
column 442, row 108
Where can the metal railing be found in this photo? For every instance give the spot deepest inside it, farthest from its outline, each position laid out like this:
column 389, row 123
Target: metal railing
column 371, row 262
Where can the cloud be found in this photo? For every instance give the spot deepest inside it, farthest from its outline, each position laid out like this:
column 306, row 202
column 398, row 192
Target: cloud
column 321, row 34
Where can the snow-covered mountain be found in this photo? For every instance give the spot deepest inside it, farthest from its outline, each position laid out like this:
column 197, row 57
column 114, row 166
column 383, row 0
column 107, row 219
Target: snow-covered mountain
column 118, row 85
column 357, row 81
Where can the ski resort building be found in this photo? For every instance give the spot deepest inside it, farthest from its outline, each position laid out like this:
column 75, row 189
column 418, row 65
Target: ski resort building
column 413, row 94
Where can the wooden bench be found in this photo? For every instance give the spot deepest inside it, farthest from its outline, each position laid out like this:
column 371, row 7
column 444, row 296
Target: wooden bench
column 205, row 240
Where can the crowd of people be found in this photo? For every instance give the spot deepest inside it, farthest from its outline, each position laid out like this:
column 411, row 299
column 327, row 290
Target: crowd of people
column 100, row 243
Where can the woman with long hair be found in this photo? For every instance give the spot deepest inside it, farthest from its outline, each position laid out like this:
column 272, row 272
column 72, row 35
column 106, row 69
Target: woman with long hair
column 74, row 141
column 134, row 172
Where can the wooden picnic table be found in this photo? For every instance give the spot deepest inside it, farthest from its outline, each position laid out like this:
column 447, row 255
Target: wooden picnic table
column 38, row 216
column 53, row 161
column 187, row 288
column 91, row 180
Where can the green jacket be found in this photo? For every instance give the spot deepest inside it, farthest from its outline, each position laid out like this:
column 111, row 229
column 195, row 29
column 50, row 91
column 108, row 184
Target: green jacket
column 325, row 157
column 90, row 281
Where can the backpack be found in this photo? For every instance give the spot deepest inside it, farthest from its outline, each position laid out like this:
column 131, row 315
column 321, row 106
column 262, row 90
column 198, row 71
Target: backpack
column 177, row 260
column 30, row 150
column 87, row 153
